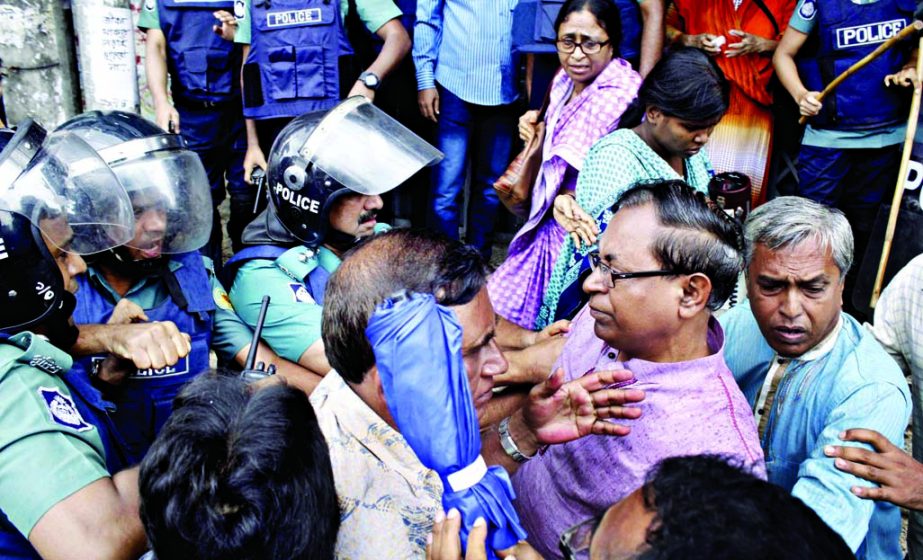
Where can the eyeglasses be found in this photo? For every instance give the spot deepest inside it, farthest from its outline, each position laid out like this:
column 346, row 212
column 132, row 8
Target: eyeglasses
column 574, row 543
column 598, row 266
column 567, row 45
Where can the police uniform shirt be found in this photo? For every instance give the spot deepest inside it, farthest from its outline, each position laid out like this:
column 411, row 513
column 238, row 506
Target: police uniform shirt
column 293, row 319
column 48, row 450
column 230, row 333
column 373, row 13
column 149, row 18
column 804, row 19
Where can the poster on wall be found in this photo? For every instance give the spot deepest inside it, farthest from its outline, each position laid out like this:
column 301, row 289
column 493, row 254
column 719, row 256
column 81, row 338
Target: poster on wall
column 106, row 56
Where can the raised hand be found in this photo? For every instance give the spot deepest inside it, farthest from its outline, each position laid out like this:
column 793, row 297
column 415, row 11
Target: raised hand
column 558, row 412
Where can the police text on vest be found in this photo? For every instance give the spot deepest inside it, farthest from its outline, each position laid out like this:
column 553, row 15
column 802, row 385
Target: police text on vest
column 868, row 34
column 293, row 17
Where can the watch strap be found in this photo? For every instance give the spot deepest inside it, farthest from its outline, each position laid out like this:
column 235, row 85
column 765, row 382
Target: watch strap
column 509, row 446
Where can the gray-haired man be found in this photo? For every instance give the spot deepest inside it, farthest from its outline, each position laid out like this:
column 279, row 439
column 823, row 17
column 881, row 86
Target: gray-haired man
column 811, row 371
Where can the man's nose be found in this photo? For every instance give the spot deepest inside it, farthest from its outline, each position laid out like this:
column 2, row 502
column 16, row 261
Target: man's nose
column 76, row 265
column 496, row 363
column 373, row 202
column 595, row 283
column 790, row 307
column 153, row 220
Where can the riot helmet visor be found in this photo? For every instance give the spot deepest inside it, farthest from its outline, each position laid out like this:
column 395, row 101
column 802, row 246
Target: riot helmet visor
column 169, row 193
column 364, row 149
column 65, row 189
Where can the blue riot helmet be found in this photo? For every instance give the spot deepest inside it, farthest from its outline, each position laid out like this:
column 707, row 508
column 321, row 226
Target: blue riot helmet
column 166, row 182
column 54, row 192
column 354, row 148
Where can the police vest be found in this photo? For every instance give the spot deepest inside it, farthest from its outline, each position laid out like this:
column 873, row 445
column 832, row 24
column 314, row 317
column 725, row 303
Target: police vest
column 144, row 400
column 533, row 27
column 292, row 262
column 88, row 402
column 844, row 33
column 293, row 65
column 202, row 65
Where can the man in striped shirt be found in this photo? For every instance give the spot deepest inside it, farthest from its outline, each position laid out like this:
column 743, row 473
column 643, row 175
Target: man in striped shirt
column 465, row 81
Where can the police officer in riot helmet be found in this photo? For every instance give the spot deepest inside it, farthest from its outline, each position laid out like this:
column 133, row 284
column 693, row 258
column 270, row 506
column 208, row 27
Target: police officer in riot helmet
column 157, row 283
column 325, row 175
column 58, row 201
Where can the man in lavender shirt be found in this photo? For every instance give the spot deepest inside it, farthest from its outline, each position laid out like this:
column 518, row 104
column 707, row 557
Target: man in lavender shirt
column 665, row 262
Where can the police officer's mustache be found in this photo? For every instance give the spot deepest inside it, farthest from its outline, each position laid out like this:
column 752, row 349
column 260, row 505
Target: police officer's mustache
column 368, row 216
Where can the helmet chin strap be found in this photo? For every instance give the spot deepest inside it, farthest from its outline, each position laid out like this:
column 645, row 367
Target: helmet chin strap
column 339, row 241
column 58, row 326
column 120, row 262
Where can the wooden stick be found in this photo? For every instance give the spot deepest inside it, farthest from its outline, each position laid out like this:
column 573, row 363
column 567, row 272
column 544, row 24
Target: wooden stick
column 899, row 189
column 904, row 33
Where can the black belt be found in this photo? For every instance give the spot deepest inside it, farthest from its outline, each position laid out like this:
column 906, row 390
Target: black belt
column 199, row 104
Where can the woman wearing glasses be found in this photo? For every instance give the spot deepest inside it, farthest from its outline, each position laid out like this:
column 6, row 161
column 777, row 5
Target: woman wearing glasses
column 585, row 102
column 660, row 136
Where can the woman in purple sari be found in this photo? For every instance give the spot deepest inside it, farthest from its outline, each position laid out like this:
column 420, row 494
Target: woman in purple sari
column 586, row 101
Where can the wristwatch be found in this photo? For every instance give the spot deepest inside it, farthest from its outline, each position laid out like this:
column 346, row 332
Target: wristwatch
column 509, row 446
column 370, row 80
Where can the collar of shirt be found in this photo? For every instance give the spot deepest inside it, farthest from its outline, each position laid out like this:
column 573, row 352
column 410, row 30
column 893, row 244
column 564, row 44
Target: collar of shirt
column 334, row 400
column 644, row 370
column 590, row 353
column 97, row 278
column 823, row 347
column 779, row 365
column 328, row 259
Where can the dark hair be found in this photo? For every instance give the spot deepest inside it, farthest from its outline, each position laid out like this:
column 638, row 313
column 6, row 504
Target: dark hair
column 711, row 508
column 699, row 238
column 239, row 474
column 606, row 13
column 415, row 260
column 686, row 84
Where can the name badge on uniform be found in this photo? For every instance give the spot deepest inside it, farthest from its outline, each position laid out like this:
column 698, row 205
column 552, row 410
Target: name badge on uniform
column 62, row 409
column 300, row 293
column 868, row 34
column 46, row 364
column 293, row 17
column 179, row 368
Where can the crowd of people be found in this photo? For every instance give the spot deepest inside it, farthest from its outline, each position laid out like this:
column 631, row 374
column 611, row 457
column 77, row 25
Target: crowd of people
column 655, row 369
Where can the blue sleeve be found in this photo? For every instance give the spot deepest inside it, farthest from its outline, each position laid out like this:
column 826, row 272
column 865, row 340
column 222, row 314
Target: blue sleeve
column 427, row 35
column 880, row 406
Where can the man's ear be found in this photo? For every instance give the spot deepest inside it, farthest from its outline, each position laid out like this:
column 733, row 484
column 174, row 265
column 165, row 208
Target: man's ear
column 696, row 291
column 380, row 404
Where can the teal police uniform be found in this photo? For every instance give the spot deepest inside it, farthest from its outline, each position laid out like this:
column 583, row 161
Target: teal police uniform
column 293, row 320
column 50, row 446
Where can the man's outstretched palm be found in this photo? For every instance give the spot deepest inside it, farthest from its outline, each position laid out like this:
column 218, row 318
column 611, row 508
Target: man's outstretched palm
column 559, row 412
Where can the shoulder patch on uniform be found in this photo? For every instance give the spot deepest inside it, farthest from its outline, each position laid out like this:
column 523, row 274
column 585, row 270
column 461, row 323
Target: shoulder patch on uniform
column 222, row 300
column 149, row 5
column 808, row 10
column 300, row 293
column 46, row 364
column 62, row 409
column 240, row 9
